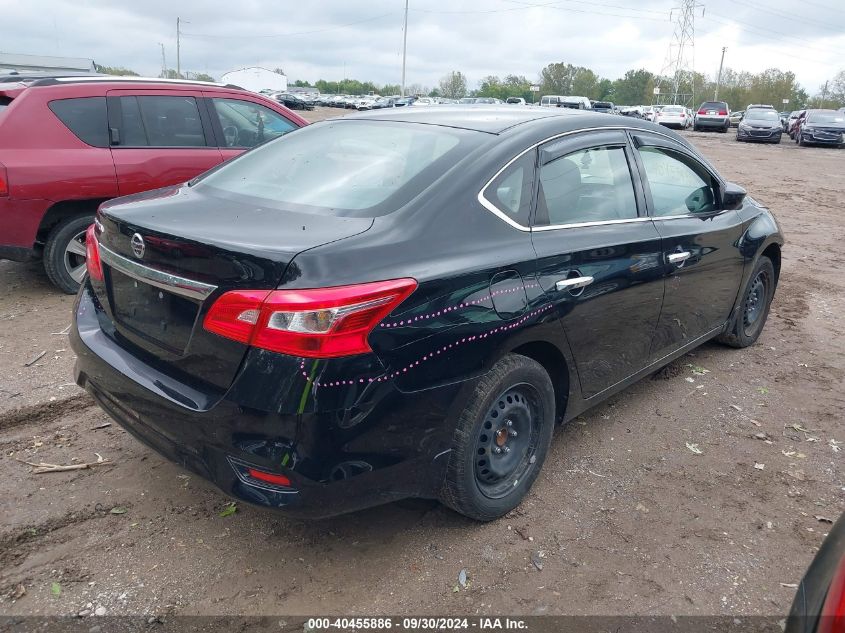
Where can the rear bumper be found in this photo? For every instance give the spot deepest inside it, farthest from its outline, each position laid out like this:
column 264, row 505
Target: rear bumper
column 712, row 123
column 384, row 449
column 19, row 222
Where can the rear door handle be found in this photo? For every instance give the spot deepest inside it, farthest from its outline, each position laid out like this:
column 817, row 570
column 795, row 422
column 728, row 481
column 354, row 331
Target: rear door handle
column 574, row 283
column 678, row 258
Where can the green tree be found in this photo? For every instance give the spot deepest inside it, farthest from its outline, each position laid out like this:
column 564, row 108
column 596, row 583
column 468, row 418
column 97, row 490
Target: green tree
column 635, row 87
column 453, row 85
column 203, row 77
column 115, row 70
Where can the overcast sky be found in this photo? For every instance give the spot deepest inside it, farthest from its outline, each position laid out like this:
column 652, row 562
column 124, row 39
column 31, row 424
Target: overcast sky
column 363, row 40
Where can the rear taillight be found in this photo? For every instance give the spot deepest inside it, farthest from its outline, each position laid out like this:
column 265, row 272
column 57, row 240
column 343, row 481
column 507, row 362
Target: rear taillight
column 702, row 111
column 270, row 478
column 723, row 113
column 4, row 182
column 92, row 254
column 683, row 115
column 832, row 618
column 314, row 323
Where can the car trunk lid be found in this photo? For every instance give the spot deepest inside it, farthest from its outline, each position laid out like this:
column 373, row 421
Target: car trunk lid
column 169, row 254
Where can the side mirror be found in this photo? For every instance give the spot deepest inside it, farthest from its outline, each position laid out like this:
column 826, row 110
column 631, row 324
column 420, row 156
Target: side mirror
column 733, row 196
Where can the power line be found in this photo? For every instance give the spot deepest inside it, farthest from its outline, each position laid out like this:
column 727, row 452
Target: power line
column 322, row 30
column 791, row 17
column 595, row 4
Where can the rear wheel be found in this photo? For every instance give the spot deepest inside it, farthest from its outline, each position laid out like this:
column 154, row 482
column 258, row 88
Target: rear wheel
column 754, row 310
column 64, row 253
column 501, row 440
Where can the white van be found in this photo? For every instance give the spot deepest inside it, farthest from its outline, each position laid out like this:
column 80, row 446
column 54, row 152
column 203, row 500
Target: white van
column 550, row 101
column 576, row 103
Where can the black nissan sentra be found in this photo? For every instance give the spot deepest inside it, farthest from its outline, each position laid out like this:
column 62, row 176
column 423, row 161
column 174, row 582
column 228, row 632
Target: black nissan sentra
column 405, row 303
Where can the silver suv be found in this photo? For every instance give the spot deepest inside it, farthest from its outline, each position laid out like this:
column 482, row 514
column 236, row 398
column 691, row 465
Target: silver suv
column 713, row 115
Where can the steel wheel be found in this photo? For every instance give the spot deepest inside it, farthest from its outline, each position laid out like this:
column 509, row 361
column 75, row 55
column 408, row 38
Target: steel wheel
column 508, row 440
column 74, row 257
column 755, row 302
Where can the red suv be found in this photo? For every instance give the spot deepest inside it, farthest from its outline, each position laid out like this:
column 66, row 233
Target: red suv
column 67, row 144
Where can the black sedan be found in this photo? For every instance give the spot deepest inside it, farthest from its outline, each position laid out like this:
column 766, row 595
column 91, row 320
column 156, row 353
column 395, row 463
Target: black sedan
column 760, row 124
column 294, row 102
column 404, row 303
column 822, row 127
column 819, row 604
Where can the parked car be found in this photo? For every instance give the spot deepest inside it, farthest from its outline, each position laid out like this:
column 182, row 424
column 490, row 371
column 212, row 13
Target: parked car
column 760, row 124
column 784, row 118
column 795, row 122
column 819, row 602
column 735, row 117
column 822, row 127
column 606, row 107
column 760, row 105
column 515, row 101
column 292, row 101
column 488, row 101
column 713, row 115
column 425, row 101
column 672, row 116
column 467, row 100
column 575, row 103
column 318, row 343
column 68, row 144
column 384, row 102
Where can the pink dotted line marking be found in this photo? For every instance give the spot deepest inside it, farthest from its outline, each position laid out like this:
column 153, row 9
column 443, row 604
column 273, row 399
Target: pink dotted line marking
column 466, row 304
column 426, row 357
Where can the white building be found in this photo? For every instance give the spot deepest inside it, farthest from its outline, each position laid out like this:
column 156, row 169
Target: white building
column 11, row 61
column 256, row 79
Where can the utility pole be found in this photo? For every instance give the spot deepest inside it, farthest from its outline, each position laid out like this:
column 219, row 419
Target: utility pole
column 178, row 51
column 719, row 78
column 824, row 95
column 404, row 47
column 163, row 62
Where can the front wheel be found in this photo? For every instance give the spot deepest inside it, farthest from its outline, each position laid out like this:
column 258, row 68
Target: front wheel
column 64, row 253
column 754, row 309
column 501, row 440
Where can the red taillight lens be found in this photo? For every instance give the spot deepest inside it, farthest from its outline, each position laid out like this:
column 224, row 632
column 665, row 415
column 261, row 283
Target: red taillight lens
column 92, row 254
column 683, row 115
column 723, row 113
column 4, row 182
column 314, row 323
column 270, row 478
column 833, row 612
column 702, row 111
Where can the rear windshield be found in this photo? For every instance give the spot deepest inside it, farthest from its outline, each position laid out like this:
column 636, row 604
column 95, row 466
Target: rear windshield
column 714, row 105
column 344, row 168
column 762, row 115
column 673, row 109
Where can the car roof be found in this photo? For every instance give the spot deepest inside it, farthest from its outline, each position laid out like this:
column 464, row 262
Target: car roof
column 110, row 79
column 493, row 119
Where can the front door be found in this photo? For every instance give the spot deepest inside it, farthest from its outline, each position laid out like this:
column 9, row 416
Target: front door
column 599, row 255
column 701, row 260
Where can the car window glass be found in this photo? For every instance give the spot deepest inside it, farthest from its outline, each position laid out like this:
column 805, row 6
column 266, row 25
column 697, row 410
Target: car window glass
column 678, row 185
column 247, row 124
column 590, row 185
column 171, row 121
column 86, row 117
column 131, row 124
column 510, row 191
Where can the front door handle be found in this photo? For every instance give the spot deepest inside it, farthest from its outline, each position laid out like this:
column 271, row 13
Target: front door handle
column 678, row 258
column 574, row 283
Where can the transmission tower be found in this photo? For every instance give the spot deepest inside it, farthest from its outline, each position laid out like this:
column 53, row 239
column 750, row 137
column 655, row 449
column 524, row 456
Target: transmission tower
column 680, row 58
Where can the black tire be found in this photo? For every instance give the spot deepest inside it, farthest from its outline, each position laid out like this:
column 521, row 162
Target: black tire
column 724, row 130
column 800, row 140
column 62, row 255
column 777, row 142
column 483, row 481
column 754, row 310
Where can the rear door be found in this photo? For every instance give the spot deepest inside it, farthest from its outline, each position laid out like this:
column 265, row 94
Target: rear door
column 159, row 138
column 240, row 123
column 598, row 255
column 700, row 259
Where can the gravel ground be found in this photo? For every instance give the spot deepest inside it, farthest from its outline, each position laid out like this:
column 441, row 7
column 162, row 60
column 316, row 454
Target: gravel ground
column 624, row 518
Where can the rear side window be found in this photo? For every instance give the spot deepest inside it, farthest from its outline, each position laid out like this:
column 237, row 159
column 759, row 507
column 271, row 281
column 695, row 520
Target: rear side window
column 247, row 124
column 86, row 117
column 590, row 185
column 162, row 122
column 510, row 192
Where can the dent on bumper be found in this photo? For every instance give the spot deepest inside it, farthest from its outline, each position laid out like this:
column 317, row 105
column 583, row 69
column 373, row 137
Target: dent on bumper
column 397, row 447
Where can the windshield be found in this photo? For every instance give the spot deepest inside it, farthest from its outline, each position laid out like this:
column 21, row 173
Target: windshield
column 673, row 109
column 762, row 115
column 339, row 168
column 826, row 117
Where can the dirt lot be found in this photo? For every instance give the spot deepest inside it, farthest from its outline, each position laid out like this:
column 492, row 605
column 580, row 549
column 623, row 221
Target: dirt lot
column 624, row 519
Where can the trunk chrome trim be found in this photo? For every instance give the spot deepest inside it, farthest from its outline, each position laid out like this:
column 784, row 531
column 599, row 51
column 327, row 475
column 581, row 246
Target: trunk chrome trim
column 189, row 288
